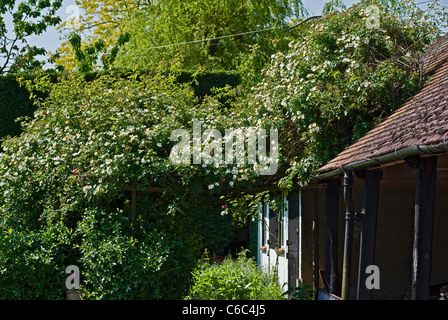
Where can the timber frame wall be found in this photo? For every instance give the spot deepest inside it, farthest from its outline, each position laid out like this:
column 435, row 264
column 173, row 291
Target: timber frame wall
column 400, row 224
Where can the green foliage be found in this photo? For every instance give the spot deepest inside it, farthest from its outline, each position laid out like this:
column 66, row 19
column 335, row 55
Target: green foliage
column 66, row 175
column 155, row 25
column 340, row 79
column 116, row 263
column 70, row 166
column 302, row 292
column 16, row 104
column 215, row 229
column 206, row 83
column 87, row 57
column 100, row 22
column 234, row 279
column 28, row 18
column 30, row 261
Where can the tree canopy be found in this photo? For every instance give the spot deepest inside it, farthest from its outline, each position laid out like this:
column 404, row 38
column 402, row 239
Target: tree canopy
column 215, row 34
column 230, row 35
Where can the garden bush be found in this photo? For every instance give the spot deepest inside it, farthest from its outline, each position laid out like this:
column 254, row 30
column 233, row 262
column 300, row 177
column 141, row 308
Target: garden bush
column 117, row 263
column 64, row 202
column 233, row 279
column 114, row 262
column 15, row 100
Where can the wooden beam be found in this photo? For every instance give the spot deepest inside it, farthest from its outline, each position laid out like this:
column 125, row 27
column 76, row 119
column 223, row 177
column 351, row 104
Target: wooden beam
column 423, row 228
column 331, row 236
column 368, row 231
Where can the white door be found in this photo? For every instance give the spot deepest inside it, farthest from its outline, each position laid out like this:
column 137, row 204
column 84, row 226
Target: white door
column 272, row 241
column 278, row 251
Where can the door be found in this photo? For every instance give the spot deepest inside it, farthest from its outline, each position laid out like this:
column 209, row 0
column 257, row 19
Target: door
column 282, row 250
column 278, row 238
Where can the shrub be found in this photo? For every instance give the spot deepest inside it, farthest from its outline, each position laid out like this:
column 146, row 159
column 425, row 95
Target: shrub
column 63, row 193
column 114, row 261
column 15, row 100
column 30, row 262
column 119, row 264
column 234, row 279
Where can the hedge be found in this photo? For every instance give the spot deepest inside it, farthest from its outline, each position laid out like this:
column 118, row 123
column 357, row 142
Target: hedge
column 15, row 102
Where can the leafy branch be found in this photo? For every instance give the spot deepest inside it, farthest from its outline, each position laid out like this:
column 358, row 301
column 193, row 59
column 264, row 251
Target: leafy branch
column 88, row 56
column 28, row 18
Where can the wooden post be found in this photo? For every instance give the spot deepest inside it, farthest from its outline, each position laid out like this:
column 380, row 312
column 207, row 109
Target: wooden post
column 316, row 239
column 293, row 238
column 423, row 228
column 368, row 231
column 263, row 240
column 331, row 236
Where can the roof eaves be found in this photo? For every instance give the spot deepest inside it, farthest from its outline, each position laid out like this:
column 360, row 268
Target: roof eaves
column 393, row 156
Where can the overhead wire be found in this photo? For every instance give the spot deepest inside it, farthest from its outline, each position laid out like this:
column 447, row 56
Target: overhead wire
column 289, row 27
column 210, row 39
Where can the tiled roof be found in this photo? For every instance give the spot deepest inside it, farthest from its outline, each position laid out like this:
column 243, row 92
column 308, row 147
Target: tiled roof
column 422, row 120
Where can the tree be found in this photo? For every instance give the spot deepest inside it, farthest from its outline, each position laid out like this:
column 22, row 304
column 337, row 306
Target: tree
column 87, row 58
column 212, row 34
column 31, row 17
column 215, row 34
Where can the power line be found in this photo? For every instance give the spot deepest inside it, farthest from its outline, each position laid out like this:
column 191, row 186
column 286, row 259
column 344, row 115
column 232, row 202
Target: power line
column 209, row 39
column 230, row 35
column 240, row 34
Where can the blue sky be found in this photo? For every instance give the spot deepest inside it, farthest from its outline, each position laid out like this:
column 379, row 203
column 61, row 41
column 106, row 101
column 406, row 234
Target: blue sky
column 51, row 39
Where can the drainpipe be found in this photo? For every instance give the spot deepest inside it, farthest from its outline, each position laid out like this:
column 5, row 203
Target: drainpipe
column 348, row 241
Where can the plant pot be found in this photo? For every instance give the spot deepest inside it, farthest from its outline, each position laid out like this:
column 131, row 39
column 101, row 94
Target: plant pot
column 280, row 250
